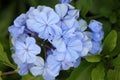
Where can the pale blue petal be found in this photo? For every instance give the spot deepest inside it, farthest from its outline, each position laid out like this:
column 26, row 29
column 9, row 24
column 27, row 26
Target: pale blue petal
column 98, row 36
column 23, row 69
column 77, row 62
column 47, row 76
column 96, row 47
column 86, row 48
column 69, row 33
column 41, row 18
column 19, row 46
column 71, row 55
column 53, row 17
column 66, row 65
column 82, row 25
column 38, row 67
column 30, row 58
column 30, row 40
column 36, row 71
column 53, row 65
column 69, row 22
column 16, row 31
column 95, row 26
column 80, row 35
column 29, row 13
column 73, row 13
column 61, row 10
column 59, row 44
column 20, row 20
column 56, row 29
column 76, row 44
column 16, row 59
column 44, row 34
column 34, row 49
column 39, row 62
column 44, row 9
column 59, row 55
column 34, row 26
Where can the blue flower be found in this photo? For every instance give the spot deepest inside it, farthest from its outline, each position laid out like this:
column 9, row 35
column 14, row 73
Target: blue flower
column 38, row 67
column 66, row 37
column 86, row 43
column 27, row 50
column 72, row 52
column 98, row 36
column 59, row 40
column 67, row 15
column 96, row 47
column 95, row 26
column 59, row 60
column 81, row 25
column 53, row 66
column 65, row 1
column 43, row 21
column 18, row 27
column 74, row 47
column 77, row 62
column 23, row 67
column 20, row 38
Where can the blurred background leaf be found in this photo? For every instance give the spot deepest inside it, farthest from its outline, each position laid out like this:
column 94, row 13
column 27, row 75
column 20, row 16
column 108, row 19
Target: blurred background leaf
column 113, row 74
column 98, row 72
column 93, row 58
column 31, row 77
column 82, row 72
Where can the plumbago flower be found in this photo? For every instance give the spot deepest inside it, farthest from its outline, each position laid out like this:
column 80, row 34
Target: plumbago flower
column 18, row 27
column 96, row 36
column 67, row 15
column 43, row 22
column 27, row 50
column 63, row 39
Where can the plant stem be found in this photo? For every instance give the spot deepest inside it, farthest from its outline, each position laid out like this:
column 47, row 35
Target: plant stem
column 95, row 17
column 8, row 73
column 44, row 52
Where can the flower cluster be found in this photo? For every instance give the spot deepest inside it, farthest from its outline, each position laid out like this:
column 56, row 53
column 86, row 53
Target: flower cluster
column 58, row 34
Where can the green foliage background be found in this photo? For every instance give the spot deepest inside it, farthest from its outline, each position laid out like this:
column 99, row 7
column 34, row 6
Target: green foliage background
column 105, row 66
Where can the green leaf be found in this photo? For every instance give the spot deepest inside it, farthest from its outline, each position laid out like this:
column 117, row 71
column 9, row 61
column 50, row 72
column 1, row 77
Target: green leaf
column 93, row 58
column 103, row 7
column 113, row 74
column 0, row 75
column 0, row 78
column 105, row 11
column 33, row 2
column 113, row 18
column 6, row 17
column 99, row 69
column 116, row 61
column 31, row 77
column 110, row 41
column 82, row 72
column 106, row 27
column 4, row 59
column 84, row 6
column 50, row 3
column 116, row 51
